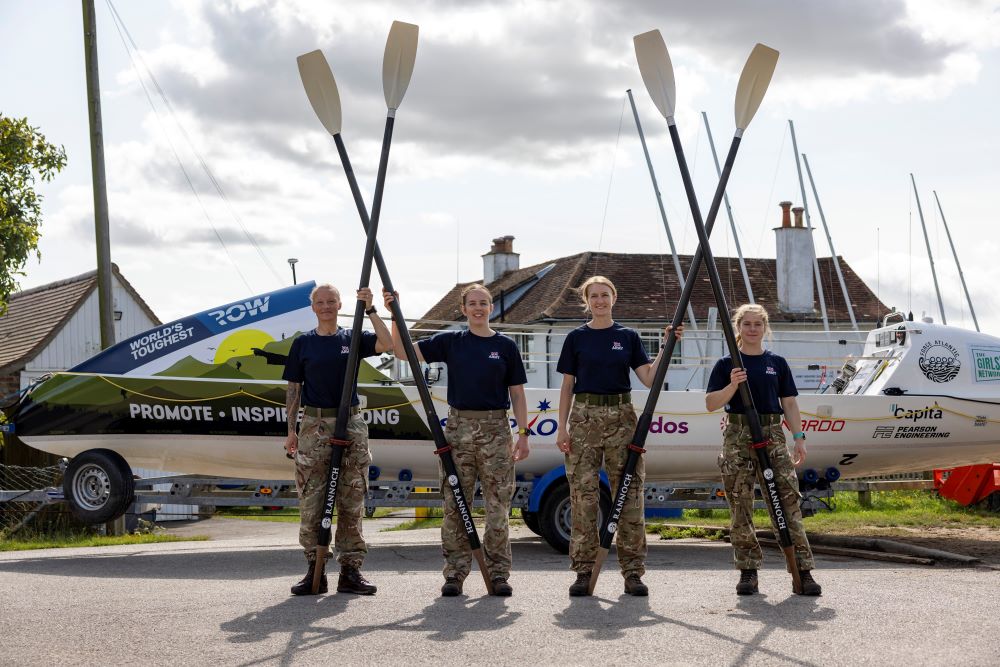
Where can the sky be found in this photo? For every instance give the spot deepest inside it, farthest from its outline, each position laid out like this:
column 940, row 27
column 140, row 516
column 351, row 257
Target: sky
column 515, row 122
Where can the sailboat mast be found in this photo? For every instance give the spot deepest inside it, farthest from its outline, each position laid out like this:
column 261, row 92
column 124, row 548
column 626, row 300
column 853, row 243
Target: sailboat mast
column 805, row 206
column 930, row 255
column 729, row 211
column 829, row 239
column 105, row 299
column 957, row 263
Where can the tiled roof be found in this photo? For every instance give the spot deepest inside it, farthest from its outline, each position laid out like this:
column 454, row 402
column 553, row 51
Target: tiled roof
column 648, row 290
column 36, row 315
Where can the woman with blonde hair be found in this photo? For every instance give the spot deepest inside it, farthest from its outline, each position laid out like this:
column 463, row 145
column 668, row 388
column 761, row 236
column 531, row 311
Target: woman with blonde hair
column 773, row 391
column 485, row 379
column 596, row 424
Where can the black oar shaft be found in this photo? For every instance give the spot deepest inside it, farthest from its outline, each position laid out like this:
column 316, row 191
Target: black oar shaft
column 773, row 498
column 427, row 401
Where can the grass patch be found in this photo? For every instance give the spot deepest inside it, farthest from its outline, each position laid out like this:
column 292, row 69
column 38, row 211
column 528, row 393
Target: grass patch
column 678, row 533
column 28, row 542
column 415, row 524
column 890, row 510
column 283, row 515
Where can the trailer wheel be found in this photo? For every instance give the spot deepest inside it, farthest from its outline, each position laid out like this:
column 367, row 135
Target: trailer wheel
column 993, row 502
column 556, row 521
column 531, row 521
column 98, row 486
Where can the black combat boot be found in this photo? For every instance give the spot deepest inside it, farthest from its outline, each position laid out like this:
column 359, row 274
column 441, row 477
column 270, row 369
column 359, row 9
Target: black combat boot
column 634, row 586
column 581, row 586
column 809, row 585
column 352, row 581
column 501, row 588
column 305, row 586
column 452, row 587
column 748, row 582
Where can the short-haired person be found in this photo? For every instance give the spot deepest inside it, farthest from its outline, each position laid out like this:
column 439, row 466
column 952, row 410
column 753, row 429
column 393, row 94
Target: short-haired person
column 485, row 378
column 317, row 363
column 595, row 362
column 772, row 388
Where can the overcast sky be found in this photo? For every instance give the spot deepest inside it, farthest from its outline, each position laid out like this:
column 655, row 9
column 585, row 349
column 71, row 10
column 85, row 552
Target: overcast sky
column 515, row 122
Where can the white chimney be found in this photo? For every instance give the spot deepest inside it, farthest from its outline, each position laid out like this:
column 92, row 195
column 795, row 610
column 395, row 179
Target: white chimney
column 794, row 264
column 500, row 259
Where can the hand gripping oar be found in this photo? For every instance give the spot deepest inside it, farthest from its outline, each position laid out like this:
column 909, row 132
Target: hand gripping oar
column 397, row 68
column 653, row 62
column 658, row 75
column 322, row 90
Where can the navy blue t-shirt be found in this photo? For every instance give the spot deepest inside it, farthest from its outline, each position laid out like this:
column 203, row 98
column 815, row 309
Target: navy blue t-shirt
column 768, row 375
column 601, row 358
column 480, row 368
column 319, row 363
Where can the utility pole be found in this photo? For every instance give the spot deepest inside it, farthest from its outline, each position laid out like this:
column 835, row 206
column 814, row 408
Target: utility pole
column 105, row 299
column 292, row 262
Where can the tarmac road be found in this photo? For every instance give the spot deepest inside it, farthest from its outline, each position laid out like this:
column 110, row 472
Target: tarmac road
column 226, row 602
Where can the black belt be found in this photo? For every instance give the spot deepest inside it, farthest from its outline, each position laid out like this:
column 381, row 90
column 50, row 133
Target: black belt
column 327, row 413
column 604, row 399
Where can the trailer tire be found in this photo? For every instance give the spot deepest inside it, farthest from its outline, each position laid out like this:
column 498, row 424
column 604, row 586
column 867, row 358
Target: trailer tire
column 555, row 520
column 531, row 521
column 993, row 502
column 98, row 486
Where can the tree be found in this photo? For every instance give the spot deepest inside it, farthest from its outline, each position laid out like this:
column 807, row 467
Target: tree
column 24, row 154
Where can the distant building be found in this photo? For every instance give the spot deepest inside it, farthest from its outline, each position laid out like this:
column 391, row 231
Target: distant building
column 539, row 304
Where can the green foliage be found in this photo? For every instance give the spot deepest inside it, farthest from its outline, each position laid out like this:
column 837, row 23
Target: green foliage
column 681, row 532
column 24, row 155
column 24, row 541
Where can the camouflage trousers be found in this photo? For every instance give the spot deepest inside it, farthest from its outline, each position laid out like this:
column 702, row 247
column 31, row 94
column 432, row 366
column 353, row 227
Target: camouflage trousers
column 312, row 463
column 481, row 448
column 602, row 434
column 739, row 472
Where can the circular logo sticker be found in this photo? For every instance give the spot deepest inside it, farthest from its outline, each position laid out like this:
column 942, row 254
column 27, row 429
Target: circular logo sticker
column 453, row 480
column 612, row 527
column 326, row 523
column 939, row 361
column 769, row 474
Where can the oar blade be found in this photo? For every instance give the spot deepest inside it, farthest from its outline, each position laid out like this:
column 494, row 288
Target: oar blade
column 754, row 80
column 321, row 89
column 397, row 64
column 656, row 70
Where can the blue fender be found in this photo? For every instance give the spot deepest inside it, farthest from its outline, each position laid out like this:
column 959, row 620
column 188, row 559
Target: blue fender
column 554, row 476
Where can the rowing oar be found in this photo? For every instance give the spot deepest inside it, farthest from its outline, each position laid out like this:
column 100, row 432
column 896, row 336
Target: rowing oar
column 397, row 68
column 322, row 91
column 658, row 75
column 654, row 63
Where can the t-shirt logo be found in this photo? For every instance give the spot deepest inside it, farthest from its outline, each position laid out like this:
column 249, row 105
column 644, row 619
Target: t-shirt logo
column 345, row 349
column 617, row 346
column 494, row 355
column 771, row 371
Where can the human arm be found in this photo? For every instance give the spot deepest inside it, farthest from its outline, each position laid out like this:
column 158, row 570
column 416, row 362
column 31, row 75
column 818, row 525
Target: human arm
column 647, row 373
column 793, row 417
column 520, row 406
column 384, row 342
column 293, row 398
column 716, row 399
column 397, row 340
column 565, row 402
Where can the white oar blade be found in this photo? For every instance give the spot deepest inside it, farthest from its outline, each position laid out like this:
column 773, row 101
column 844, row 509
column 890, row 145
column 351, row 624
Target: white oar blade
column 321, row 88
column 754, row 80
column 397, row 64
column 657, row 71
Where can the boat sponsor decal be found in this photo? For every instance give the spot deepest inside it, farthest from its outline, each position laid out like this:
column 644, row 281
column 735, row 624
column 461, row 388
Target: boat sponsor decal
column 823, row 425
column 985, row 362
column 917, row 414
column 908, row 433
column 981, row 420
column 847, row 459
column 939, row 361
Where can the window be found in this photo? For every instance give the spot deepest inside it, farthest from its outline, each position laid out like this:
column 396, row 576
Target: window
column 526, row 346
column 652, row 341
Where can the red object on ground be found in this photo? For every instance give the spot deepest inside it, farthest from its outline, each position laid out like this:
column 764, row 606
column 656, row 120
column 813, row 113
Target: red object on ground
column 968, row 485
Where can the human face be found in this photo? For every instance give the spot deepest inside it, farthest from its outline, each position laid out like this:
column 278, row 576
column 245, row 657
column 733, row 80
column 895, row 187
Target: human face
column 326, row 304
column 752, row 329
column 477, row 308
column 600, row 299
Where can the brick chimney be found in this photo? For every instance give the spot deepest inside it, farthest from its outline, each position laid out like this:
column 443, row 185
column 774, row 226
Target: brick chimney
column 500, row 259
column 794, row 264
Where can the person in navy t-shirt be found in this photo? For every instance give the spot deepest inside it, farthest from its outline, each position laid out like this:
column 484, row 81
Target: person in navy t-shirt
column 485, row 378
column 595, row 363
column 773, row 392
column 315, row 371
